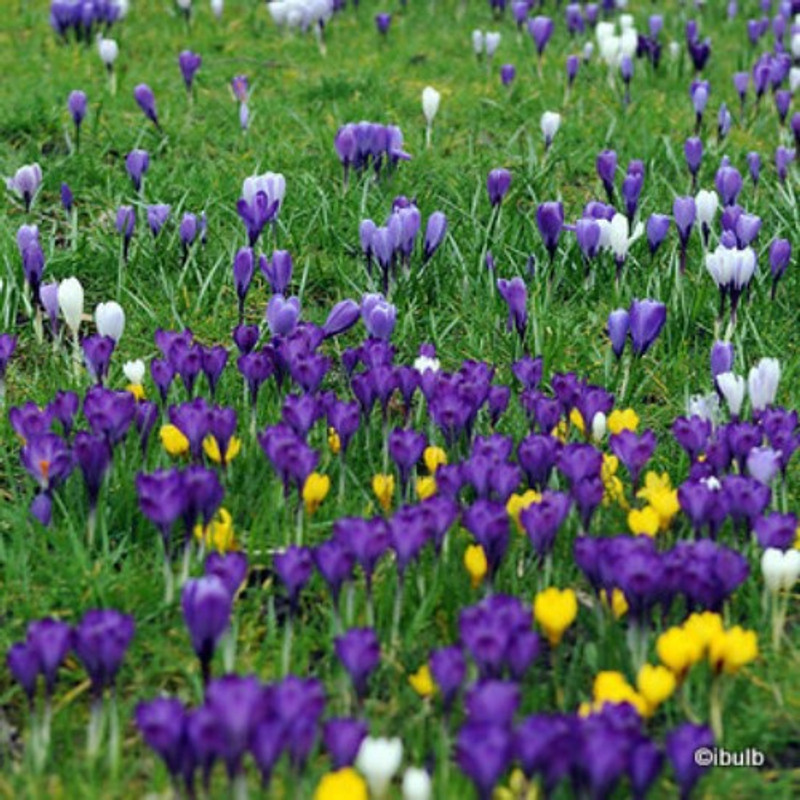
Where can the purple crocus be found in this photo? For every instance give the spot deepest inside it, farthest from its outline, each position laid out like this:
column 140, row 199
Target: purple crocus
column 277, row 270
column 77, row 104
column 780, row 255
column 157, row 215
column 540, row 29
column 515, row 293
column 683, row 744
column 379, row 316
column 162, row 724
column 126, row 223
column 606, row 165
column 618, row 325
column 550, row 221
column 146, row 100
column 507, row 74
column 137, row 162
column 206, row 604
column 342, row 737
column 189, row 63
column 647, row 318
column 49, row 640
column 360, row 652
column 8, row 344
column 382, row 23
column 497, row 185
column 100, row 640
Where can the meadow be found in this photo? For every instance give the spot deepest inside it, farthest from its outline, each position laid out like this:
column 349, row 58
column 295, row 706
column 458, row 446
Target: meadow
column 502, row 481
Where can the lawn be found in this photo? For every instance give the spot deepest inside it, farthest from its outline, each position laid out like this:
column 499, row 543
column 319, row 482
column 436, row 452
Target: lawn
column 299, row 95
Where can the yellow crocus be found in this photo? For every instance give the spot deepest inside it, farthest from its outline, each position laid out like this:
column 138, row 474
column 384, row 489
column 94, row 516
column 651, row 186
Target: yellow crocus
column 653, row 483
column 665, row 504
column 644, row 521
column 704, row 627
column 518, row 502
column 173, row 440
column 218, row 534
column 576, row 419
column 383, row 486
column 422, row 681
column 618, row 603
column 561, row 431
column 730, row 650
column 476, row 564
column 434, row 457
column 679, row 650
column 613, row 687
column 211, row 449
column 656, row 684
column 334, row 442
column 136, row 389
column 555, row 610
column 344, row 784
column 622, row 420
column 425, row 486
column 315, row 490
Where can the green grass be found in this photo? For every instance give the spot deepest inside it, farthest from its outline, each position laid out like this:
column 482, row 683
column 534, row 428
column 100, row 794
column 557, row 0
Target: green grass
column 298, row 100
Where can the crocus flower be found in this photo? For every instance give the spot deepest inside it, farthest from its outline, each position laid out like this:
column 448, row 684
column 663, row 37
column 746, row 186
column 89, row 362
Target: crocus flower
column 483, row 752
column 145, row 99
column 515, row 293
column 780, row 255
column 126, row 222
column 189, row 63
column 137, row 162
column 497, row 185
column 507, row 74
column 378, row 760
column 100, row 641
column 382, row 23
column 379, row 316
column 550, row 123
column 206, row 604
column 359, row 651
column 157, row 215
column 162, row 724
column 435, row 232
column 277, row 270
column 647, row 318
column 683, row 744
column 26, row 183
column 541, row 29
column 606, row 168
column 550, row 221
column 77, row 103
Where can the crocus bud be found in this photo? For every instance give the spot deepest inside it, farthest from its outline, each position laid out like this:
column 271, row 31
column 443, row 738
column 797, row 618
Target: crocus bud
column 110, row 320
column 76, row 103
column 417, row 784
column 378, row 760
column 721, row 358
column 430, row 103
column 618, row 324
column 70, row 300
column 732, row 388
column 780, row 569
column 762, row 383
column 492, row 42
column 550, row 123
column 134, row 371
column 109, row 50
column 477, row 42
column 146, row 100
column 497, row 184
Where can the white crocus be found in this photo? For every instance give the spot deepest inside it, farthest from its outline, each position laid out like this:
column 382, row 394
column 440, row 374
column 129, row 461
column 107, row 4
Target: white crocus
column 762, row 383
column 430, row 106
column 706, row 203
column 184, row 5
column 110, row 320
column 599, row 424
column 620, row 238
column 705, row 406
column 794, row 78
column 378, row 760
column 477, row 42
column 70, row 301
column 217, row 7
column 674, row 50
column 732, row 388
column 780, row 571
column 491, row 42
column 417, row 784
column 109, row 50
column 550, row 122
column 626, row 22
column 588, row 52
column 124, row 7
column 134, row 371
column 628, row 43
column 796, row 45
